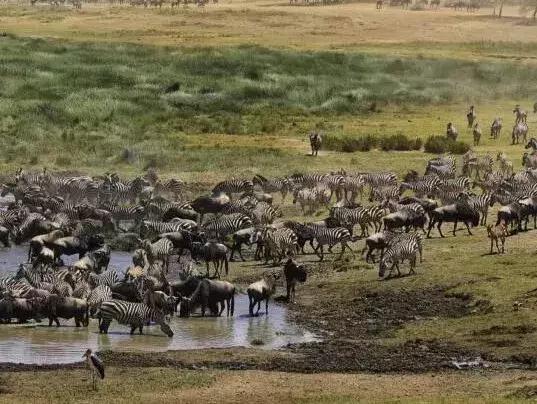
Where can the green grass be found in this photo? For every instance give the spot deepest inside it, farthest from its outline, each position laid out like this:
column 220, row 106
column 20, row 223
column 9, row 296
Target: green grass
column 83, row 104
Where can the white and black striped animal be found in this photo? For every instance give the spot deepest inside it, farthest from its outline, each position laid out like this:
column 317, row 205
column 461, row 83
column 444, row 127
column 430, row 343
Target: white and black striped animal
column 471, row 116
column 496, row 128
column 137, row 315
column 394, row 256
column 220, row 227
column 520, row 132
column 330, row 237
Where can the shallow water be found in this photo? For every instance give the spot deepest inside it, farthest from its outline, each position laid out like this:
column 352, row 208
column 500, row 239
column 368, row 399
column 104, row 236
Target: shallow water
column 39, row 344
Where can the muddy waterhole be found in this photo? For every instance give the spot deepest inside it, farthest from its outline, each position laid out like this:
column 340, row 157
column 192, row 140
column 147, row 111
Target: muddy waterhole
column 36, row 343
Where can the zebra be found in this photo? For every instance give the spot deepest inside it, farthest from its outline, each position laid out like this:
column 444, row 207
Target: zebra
column 336, row 184
column 107, row 278
column 520, row 130
column 265, row 213
column 506, row 166
column 496, row 128
column 394, row 238
column 396, row 253
column 441, row 171
column 173, row 187
column 479, row 203
column 532, row 143
column 422, row 187
column 134, row 314
column 476, row 134
column 354, row 185
column 96, row 297
column 471, row 116
column 281, row 185
column 456, row 184
column 220, row 227
column 126, row 212
column 279, row 243
column 316, row 141
column 451, row 132
column 521, row 115
column 307, row 198
column 159, row 250
column 114, row 190
column 374, row 180
column 331, row 236
column 232, row 186
column 385, row 193
column 483, row 164
column 306, row 180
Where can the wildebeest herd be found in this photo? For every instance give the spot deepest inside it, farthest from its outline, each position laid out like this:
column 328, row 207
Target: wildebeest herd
column 61, row 215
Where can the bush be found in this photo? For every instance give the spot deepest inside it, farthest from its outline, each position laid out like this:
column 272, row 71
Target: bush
column 441, row 144
column 349, row 144
column 400, row 142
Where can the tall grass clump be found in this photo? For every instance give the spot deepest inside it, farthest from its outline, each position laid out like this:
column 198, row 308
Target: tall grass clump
column 349, row 144
column 441, row 144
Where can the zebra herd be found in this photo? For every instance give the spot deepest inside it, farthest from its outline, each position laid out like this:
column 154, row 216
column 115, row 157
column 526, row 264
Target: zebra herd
column 61, row 215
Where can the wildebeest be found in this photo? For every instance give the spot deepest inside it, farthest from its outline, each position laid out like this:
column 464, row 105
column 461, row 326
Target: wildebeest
column 293, row 273
column 470, row 116
column 262, row 290
column 316, row 142
column 210, row 204
column 212, row 252
column 67, row 308
column 457, row 212
column 37, row 242
column 22, row 309
column 451, row 132
column 210, row 294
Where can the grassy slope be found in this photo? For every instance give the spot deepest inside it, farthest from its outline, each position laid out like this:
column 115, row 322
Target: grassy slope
column 82, row 104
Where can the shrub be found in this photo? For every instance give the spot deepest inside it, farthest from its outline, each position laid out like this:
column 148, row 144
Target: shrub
column 349, row 144
column 441, row 144
column 400, row 142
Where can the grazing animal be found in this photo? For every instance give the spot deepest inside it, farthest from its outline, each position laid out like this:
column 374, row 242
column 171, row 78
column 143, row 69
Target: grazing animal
column 212, row 252
column 262, row 290
column 529, row 160
column 316, row 142
column 95, row 366
column 497, row 233
column 471, row 116
column 520, row 115
column 134, row 314
column 451, row 132
column 476, row 134
column 496, row 128
column 457, row 212
column 520, row 130
column 67, row 308
column 212, row 293
column 396, row 254
column 506, row 166
column 293, row 273
column 532, row 143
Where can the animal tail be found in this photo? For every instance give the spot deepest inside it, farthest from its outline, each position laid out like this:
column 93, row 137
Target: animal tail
column 226, row 263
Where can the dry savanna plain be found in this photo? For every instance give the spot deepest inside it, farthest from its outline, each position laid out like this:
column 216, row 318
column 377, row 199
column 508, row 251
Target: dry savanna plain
column 232, row 90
